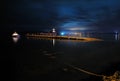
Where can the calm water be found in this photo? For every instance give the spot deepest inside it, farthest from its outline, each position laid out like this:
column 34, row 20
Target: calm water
column 46, row 60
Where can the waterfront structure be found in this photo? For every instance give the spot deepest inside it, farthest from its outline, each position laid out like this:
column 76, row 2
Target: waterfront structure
column 50, row 33
column 54, row 32
column 68, row 36
column 15, row 37
column 15, row 34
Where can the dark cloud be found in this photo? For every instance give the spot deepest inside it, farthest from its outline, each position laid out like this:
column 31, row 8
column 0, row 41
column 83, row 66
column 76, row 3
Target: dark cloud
column 45, row 14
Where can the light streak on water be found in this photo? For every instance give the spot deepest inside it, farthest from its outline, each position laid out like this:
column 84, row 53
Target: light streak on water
column 15, row 39
column 117, row 36
column 53, row 41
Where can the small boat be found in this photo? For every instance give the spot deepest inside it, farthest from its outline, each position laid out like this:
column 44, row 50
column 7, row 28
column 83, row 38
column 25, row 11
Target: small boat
column 15, row 34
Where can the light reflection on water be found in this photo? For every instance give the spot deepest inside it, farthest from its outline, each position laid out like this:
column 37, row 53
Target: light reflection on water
column 117, row 36
column 15, row 39
column 53, row 41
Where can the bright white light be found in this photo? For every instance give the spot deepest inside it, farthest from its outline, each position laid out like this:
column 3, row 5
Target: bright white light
column 15, row 34
column 53, row 30
column 62, row 33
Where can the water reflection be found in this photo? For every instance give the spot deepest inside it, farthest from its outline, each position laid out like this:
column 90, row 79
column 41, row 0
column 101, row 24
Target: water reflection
column 15, row 39
column 53, row 41
column 117, row 36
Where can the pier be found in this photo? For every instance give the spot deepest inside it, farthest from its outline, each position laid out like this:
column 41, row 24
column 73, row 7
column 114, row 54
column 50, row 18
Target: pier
column 63, row 37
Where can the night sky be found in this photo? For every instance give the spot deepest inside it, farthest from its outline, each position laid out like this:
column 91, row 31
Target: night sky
column 43, row 15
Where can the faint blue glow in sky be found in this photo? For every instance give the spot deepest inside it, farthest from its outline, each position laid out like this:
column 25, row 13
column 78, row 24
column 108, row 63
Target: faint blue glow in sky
column 74, row 26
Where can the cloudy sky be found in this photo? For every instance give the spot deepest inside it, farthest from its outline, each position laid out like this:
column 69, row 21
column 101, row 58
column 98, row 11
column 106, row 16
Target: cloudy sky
column 40, row 15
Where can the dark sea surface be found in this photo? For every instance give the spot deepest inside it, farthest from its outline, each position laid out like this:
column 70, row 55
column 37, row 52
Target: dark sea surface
column 33, row 59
